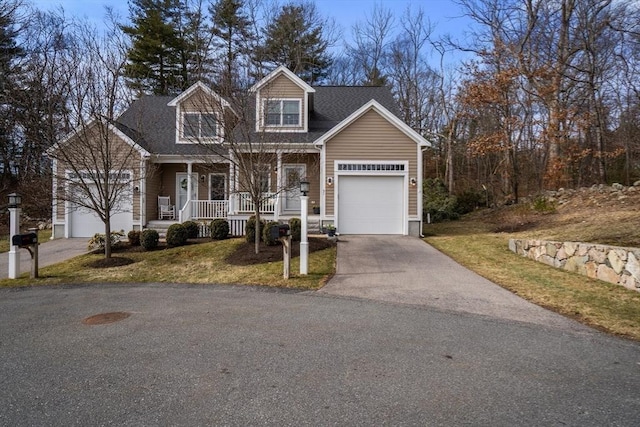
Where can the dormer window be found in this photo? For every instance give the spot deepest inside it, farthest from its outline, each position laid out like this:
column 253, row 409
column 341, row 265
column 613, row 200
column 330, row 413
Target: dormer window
column 199, row 126
column 282, row 112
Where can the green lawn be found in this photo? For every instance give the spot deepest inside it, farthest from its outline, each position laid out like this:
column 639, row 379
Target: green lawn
column 602, row 305
column 196, row 263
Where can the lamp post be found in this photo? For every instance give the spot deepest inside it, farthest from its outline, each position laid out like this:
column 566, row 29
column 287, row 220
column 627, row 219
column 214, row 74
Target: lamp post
column 15, row 200
column 304, row 243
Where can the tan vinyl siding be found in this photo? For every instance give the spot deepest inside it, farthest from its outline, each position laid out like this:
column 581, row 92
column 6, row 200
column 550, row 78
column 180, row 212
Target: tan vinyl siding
column 125, row 157
column 153, row 183
column 371, row 137
column 312, row 162
column 283, row 88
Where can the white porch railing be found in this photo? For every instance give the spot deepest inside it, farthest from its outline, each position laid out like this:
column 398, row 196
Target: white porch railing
column 212, row 209
column 209, row 209
column 246, row 205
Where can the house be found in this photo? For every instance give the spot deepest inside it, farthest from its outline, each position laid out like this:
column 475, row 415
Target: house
column 363, row 163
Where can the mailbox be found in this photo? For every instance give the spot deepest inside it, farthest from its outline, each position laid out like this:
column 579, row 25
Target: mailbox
column 279, row 231
column 24, row 239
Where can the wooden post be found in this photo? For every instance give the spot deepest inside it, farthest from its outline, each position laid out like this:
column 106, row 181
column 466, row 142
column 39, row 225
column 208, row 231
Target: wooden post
column 286, row 255
column 34, row 256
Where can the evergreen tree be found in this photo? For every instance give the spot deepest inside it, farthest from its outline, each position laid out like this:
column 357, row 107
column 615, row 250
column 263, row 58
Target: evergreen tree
column 296, row 40
column 231, row 30
column 10, row 53
column 156, row 61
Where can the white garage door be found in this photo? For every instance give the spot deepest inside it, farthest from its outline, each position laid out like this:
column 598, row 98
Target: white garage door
column 86, row 223
column 370, row 204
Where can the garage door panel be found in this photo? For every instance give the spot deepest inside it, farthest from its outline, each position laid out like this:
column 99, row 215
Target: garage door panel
column 84, row 222
column 370, row 204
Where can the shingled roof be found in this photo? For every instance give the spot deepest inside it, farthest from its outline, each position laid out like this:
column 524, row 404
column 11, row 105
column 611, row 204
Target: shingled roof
column 152, row 123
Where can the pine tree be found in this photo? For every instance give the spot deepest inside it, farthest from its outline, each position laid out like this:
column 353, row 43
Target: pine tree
column 296, row 40
column 155, row 61
column 231, row 30
column 10, row 53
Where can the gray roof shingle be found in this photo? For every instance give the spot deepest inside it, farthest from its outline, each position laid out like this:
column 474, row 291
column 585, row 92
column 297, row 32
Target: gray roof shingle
column 152, row 123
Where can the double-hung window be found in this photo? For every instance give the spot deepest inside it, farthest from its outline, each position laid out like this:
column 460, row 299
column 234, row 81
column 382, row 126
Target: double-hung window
column 199, row 126
column 282, row 112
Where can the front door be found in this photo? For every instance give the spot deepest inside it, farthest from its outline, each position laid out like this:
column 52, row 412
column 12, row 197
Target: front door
column 217, row 186
column 292, row 176
column 181, row 189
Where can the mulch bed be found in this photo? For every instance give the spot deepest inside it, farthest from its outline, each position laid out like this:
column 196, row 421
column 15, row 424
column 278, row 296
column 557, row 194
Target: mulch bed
column 246, row 255
column 243, row 255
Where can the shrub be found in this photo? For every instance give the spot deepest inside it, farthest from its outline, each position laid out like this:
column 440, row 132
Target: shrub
column 99, row 240
column 468, row 201
column 219, row 229
column 437, row 202
column 250, row 230
column 193, row 229
column 134, row 237
column 266, row 234
column 177, row 235
column 296, row 229
column 149, row 239
column 543, row 204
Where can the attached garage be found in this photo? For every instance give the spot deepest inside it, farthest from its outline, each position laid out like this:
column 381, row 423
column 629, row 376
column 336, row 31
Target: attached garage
column 371, row 204
column 86, row 223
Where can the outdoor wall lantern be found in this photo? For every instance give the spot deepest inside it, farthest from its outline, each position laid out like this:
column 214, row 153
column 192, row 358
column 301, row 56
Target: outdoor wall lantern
column 304, row 187
column 15, row 200
column 413, row 182
column 329, row 180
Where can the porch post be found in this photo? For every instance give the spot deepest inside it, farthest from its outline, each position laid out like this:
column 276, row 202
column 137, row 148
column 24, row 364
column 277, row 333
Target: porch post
column 233, row 187
column 189, row 183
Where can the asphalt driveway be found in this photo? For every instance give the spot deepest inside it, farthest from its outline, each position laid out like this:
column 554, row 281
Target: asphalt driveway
column 401, row 335
column 49, row 252
column 222, row 355
column 406, row 270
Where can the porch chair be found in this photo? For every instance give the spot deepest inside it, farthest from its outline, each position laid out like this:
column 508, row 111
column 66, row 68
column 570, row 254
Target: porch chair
column 165, row 209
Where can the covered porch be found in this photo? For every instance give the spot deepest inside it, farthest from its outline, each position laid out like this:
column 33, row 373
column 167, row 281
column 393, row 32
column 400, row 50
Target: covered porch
column 202, row 191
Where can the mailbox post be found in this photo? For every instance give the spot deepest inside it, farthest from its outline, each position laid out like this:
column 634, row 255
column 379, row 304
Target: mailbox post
column 283, row 233
column 29, row 241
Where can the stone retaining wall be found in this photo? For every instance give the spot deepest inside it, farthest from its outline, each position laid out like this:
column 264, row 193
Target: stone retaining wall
column 612, row 264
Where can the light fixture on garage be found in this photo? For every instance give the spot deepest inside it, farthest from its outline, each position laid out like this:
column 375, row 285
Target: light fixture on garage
column 413, row 182
column 329, row 180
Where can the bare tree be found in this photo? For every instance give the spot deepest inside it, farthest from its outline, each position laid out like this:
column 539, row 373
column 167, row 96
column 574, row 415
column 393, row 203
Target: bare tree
column 96, row 168
column 229, row 132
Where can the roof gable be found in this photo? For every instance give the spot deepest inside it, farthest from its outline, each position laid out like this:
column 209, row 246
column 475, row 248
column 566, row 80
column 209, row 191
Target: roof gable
column 278, row 71
column 373, row 105
column 195, row 88
column 67, row 139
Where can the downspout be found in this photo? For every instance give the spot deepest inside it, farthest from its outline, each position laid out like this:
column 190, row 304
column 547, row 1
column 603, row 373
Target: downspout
column 420, row 195
column 54, row 204
column 142, row 192
column 323, row 183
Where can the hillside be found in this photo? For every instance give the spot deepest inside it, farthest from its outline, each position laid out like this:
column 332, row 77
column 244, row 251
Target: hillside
column 598, row 214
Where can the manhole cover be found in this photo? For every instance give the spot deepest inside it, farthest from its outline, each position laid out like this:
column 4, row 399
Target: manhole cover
column 104, row 318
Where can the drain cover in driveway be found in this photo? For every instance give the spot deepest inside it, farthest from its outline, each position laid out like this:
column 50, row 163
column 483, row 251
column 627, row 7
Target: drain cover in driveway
column 104, row 318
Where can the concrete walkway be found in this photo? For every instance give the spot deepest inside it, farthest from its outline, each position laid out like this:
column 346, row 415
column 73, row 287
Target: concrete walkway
column 406, row 270
column 49, row 252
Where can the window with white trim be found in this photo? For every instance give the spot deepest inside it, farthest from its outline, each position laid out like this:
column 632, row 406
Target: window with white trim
column 282, row 112
column 199, row 126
